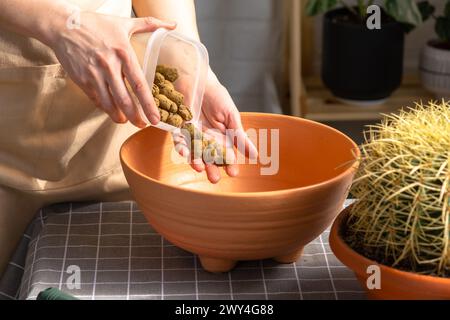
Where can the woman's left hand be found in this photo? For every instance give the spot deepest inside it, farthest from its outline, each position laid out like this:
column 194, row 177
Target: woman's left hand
column 220, row 113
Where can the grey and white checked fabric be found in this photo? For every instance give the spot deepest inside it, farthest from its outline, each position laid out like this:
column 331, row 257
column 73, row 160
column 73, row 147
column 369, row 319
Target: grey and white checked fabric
column 121, row 257
column 11, row 279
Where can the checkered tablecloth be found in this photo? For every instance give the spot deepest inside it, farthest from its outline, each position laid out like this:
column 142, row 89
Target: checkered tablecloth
column 121, row 257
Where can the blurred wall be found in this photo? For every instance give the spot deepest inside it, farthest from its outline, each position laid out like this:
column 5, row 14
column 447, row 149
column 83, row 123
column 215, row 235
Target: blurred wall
column 414, row 41
column 243, row 38
column 244, row 42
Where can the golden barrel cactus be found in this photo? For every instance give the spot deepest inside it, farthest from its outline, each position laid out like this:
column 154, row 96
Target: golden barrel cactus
column 402, row 216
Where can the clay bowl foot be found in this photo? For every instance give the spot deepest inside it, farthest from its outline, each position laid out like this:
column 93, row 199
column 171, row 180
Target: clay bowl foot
column 215, row 265
column 289, row 258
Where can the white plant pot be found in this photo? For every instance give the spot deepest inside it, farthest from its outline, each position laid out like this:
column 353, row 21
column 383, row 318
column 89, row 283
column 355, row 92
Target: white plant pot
column 435, row 70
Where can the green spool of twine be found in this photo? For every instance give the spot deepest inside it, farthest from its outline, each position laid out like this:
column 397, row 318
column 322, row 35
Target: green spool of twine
column 54, row 294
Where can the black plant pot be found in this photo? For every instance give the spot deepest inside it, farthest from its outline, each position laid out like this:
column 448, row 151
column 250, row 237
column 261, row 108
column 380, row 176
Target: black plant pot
column 358, row 63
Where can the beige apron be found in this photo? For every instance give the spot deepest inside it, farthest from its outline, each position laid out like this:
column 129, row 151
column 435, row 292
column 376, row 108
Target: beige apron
column 54, row 144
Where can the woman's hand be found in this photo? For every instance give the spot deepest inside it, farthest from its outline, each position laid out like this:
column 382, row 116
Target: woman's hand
column 220, row 113
column 98, row 57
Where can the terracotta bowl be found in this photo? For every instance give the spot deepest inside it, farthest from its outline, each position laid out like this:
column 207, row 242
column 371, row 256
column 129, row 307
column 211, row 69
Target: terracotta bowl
column 251, row 216
column 394, row 284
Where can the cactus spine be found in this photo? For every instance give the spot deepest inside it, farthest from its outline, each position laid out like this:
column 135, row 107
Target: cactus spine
column 402, row 217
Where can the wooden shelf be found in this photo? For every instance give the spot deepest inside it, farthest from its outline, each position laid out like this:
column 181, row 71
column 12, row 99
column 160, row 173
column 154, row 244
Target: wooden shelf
column 308, row 97
column 322, row 106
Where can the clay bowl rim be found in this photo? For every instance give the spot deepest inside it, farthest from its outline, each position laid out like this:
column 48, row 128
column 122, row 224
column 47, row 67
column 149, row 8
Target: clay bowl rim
column 357, row 262
column 348, row 171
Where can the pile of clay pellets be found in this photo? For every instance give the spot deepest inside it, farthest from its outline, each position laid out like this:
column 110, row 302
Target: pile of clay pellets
column 173, row 111
column 169, row 101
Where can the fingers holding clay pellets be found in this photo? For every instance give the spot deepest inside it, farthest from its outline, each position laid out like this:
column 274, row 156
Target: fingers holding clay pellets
column 174, row 112
column 208, row 150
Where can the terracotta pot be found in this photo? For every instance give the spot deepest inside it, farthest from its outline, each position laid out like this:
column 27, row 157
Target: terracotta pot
column 394, row 284
column 251, row 216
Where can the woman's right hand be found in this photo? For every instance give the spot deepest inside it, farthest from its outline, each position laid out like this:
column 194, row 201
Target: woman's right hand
column 98, row 56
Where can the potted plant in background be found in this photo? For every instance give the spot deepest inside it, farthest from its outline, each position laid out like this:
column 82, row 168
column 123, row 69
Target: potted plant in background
column 435, row 58
column 359, row 65
column 400, row 224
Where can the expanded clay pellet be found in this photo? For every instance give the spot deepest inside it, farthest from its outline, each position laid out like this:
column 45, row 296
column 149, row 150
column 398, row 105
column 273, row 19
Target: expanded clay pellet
column 173, row 95
column 185, row 113
column 175, row 120
column 159, row 79
column 157, row 102
column 167, row 84
column 167, row 104
column 169, row 73
column 155, row 90
column 164, row 114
